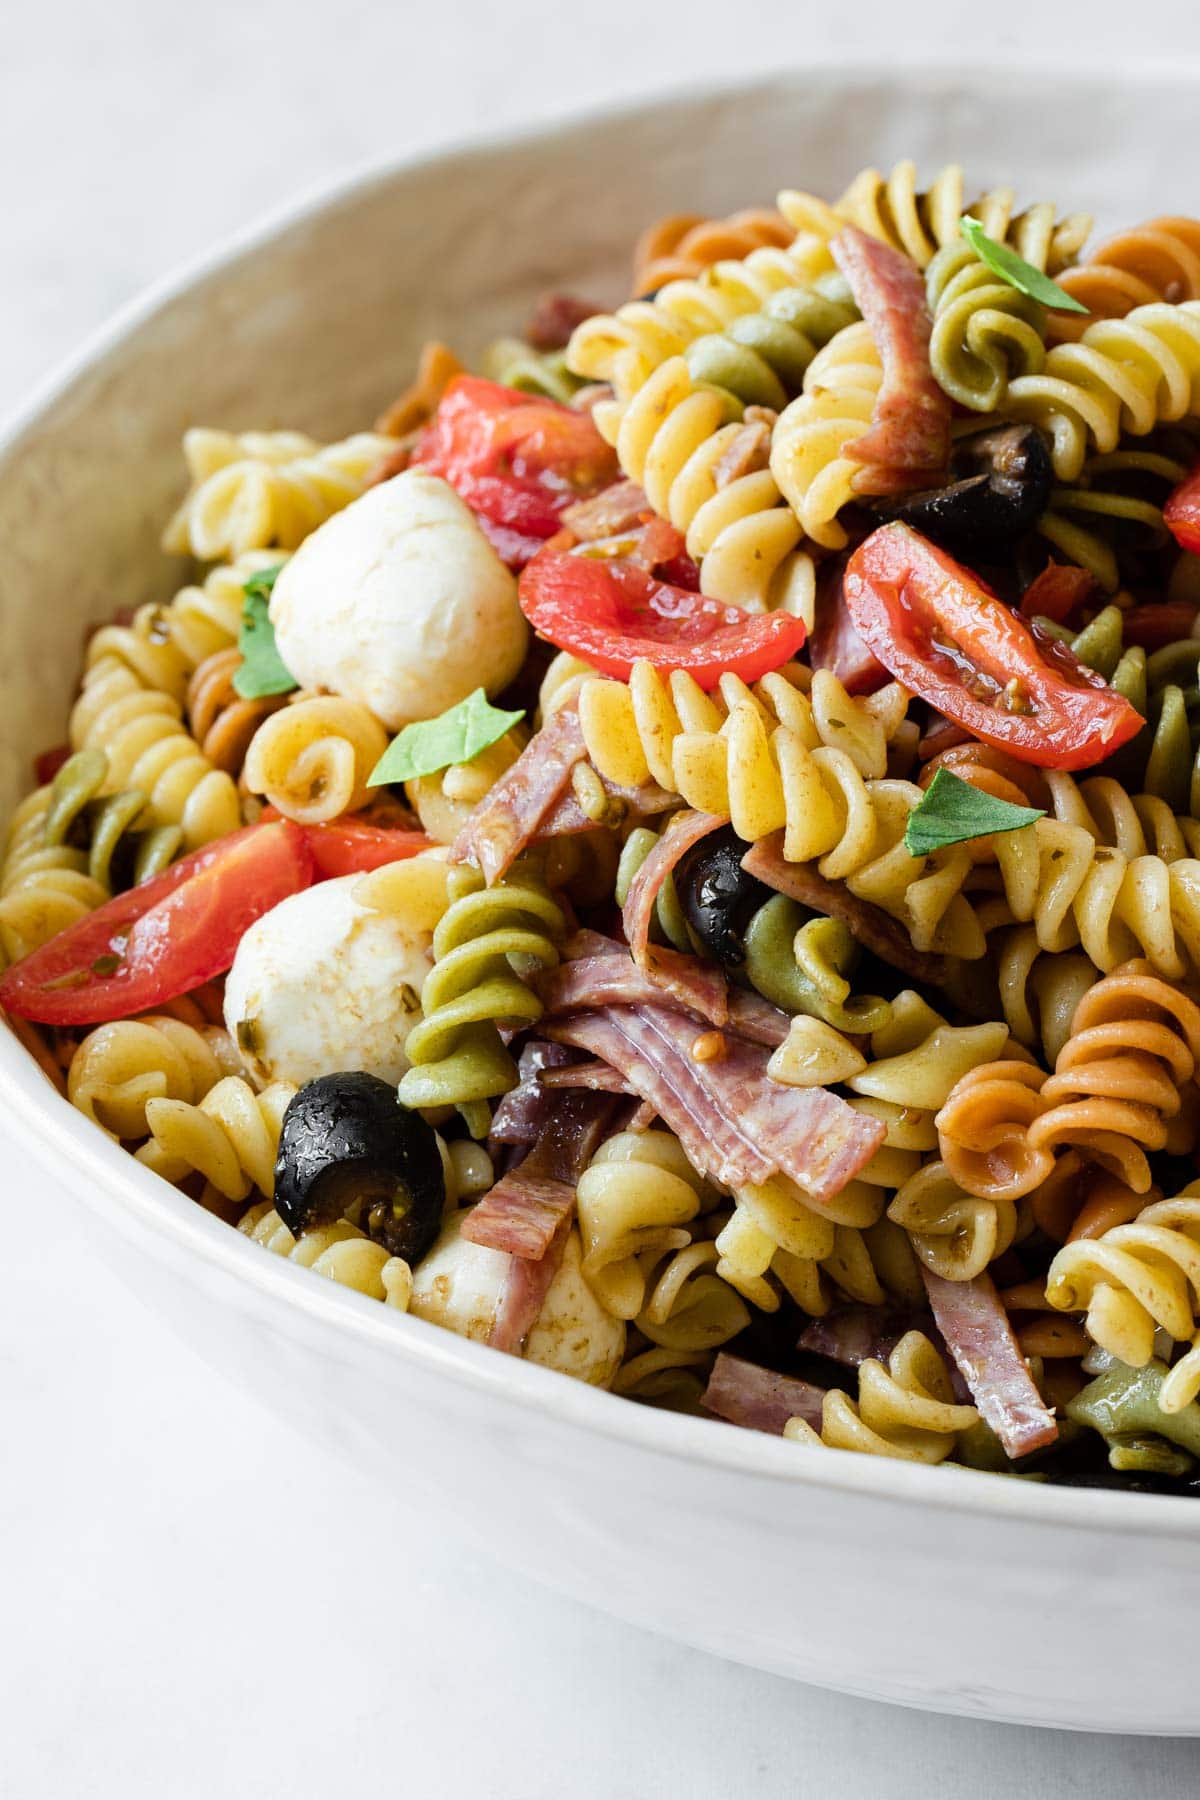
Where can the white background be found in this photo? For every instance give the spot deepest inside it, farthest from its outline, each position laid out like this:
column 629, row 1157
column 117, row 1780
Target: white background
column 192, row 1603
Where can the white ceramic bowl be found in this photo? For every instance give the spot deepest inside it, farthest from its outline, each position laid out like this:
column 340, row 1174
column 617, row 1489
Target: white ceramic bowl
column 939, row 1588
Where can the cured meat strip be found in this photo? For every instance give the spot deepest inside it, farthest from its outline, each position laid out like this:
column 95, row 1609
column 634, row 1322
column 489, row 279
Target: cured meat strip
column 908, row 441
column 525, row 1208
column 807, row 1133
column 670, row 1084
column 758, row 1398
column 595, row 1075
column 523, row 1113
column 612, row 979
column 977, row 1334
column 554, row 318
column 621, row 507
column 637, row 915
column 733, row 1121
column 835, row 644
column 525, row 1293
column 508, row 818
column 521, row 1213
column 874, row 928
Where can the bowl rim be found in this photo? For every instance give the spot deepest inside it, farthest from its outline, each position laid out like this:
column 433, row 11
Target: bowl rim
column 56, row 1134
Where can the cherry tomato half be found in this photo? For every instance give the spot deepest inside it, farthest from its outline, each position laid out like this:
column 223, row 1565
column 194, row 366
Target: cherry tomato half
column 614, row 614
column 352, row 847
column 948, row 638
column 518, row 461
column 1181, row 514
column 164, row 938
column 1058, row 593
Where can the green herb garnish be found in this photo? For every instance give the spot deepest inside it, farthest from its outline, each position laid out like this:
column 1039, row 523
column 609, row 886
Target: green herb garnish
column 1015, row 270
column 455, row 736
column 262, row 670
column 953, row 811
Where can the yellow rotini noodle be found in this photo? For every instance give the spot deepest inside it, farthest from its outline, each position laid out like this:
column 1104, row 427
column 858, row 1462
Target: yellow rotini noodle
column 906, row 1410
column 339, row 1251
column 118, row 1068
column 231, row 1137
column 312, row 759
column 671, row 437
column 257, row 489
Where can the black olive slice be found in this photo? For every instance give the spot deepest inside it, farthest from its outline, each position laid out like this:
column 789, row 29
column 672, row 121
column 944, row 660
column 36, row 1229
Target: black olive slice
column 345, row 1139
column 1002, row 483
column 717, row 896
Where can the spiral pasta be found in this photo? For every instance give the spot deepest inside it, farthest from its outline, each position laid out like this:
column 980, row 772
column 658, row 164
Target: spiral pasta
column 118, row 1068
column 633, row 1201
column 760, row 358
column 164, row 644
column 1122, row 1085
column 455, row 1049
column 906, row 1410
column 1134, row 1279
column 1110, row 508
column 683, row 245
column 138, row 727
column 1159, row 260
column 919, row 222
column 230, row 1137
column 515, row 364
column 256, row 489
column 313, row 758
column 672, row 437
column 808, row 443
column 625, row 347
column 221, row 721
column 985, row 331
column 339, row 1251
column 1123, row 375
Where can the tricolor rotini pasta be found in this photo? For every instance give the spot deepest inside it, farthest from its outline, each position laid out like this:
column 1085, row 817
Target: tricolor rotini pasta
column 676, row 853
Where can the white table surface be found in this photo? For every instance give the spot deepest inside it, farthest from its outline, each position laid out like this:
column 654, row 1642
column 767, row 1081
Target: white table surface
column 192, row 1602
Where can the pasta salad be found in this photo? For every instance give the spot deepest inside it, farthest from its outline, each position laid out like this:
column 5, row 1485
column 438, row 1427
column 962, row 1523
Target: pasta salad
column 676, row 853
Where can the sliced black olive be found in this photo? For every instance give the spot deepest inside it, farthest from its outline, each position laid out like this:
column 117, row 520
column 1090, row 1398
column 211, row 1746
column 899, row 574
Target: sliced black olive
column 1001, row 486
column 346, row 1139
column 717, row 896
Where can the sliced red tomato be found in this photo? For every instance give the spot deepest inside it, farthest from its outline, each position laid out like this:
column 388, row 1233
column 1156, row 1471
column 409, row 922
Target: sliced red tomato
column 1159, row 623
column 164, row 938
column 1181, row 514
column 949, row 639
column 1058, row 593
column 351, row 847
column 614, row 614
column 518, row 461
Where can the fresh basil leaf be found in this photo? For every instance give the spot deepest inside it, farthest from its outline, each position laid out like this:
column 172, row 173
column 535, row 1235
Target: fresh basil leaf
column 262, row 670
column 1015, row 270
column 455, row 736
column 953, row 811
column 261, row 585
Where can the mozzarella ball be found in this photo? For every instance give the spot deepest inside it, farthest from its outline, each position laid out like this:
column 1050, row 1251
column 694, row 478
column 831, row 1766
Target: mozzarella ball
column 460, row 1285
column 573, row 1333
column 321, row 983
column 400, row 602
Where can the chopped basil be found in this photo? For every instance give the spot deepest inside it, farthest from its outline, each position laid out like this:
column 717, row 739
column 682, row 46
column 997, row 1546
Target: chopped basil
column 262, row 670
column 455, row 736
column 1015, row 270
column 953, row 811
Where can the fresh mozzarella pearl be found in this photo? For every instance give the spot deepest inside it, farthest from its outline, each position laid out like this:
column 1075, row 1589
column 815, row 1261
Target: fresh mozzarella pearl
column 460, row 1285
column 321, row 983
column 573, row 1332
column 400, row 602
